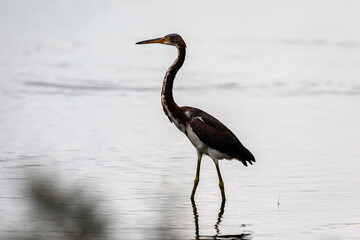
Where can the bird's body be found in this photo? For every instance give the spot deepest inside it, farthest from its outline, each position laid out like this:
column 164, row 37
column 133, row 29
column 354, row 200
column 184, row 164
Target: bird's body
column 208, row 135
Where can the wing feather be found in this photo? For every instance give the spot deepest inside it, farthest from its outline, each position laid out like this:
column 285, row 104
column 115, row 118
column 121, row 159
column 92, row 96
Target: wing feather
column 217, row 136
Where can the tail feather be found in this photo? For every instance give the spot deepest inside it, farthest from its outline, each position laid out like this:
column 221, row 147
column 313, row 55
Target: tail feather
column 245, row 156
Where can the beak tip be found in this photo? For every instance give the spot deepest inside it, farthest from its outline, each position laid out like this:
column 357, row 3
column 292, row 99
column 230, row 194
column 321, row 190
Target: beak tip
column 156, row 40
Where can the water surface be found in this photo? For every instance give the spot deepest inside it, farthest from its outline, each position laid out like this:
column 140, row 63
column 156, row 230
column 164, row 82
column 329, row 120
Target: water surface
column 80, row 101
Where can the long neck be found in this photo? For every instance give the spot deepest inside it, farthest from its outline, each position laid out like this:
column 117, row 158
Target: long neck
column 171, row 109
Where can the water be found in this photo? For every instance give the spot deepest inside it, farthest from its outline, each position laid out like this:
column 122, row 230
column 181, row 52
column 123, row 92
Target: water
column 80, row 101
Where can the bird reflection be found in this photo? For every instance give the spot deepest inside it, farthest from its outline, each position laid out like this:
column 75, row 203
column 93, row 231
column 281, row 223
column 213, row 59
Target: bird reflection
column 242, row 236
column 220, row 215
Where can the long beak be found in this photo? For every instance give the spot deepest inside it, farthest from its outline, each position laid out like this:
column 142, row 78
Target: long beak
column 156, row 40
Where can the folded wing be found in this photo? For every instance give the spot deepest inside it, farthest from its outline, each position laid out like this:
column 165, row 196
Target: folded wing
column 217, row 136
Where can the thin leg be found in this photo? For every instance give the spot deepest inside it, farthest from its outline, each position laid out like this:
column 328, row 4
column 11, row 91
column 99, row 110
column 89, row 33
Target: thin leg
column 197, row 178
column 221, row 183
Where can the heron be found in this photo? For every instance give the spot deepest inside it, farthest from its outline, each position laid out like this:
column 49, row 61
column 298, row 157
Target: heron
column 208, row 135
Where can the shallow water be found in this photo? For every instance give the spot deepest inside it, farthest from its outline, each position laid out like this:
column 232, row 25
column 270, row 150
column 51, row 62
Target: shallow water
column 81, row 101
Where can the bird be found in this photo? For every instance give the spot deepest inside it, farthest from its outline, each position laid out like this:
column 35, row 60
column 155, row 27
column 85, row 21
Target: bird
column 207, row 134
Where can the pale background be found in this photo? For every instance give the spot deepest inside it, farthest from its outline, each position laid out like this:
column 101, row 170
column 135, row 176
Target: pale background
column 80, row 100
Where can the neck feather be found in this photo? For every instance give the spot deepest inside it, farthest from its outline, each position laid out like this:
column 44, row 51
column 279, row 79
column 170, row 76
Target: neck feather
column 171, row 109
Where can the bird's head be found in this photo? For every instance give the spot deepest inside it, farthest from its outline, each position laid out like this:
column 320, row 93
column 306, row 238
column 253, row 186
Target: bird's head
column 170, row 39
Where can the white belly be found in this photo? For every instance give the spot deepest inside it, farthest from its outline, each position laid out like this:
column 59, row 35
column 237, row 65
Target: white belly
column 198, row 144
column 203, row 148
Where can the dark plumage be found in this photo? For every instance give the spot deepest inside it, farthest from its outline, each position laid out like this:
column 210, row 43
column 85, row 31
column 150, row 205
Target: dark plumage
column 208, row 135
column 217, row 136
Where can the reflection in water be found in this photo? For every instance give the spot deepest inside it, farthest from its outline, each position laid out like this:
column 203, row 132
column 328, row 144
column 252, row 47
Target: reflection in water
column 196, row 218
column 242, row 236
column 221, row 213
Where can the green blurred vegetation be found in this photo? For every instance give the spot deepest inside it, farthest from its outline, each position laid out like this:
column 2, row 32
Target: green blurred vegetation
column 72, row 214
column 59, row 214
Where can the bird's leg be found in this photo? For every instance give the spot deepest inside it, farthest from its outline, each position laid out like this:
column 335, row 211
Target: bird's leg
column 221, row 183
column 197, row 177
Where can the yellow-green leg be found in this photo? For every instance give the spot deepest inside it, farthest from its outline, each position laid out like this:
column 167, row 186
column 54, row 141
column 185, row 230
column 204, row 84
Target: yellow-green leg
column 221, row 183
column 197, row 177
